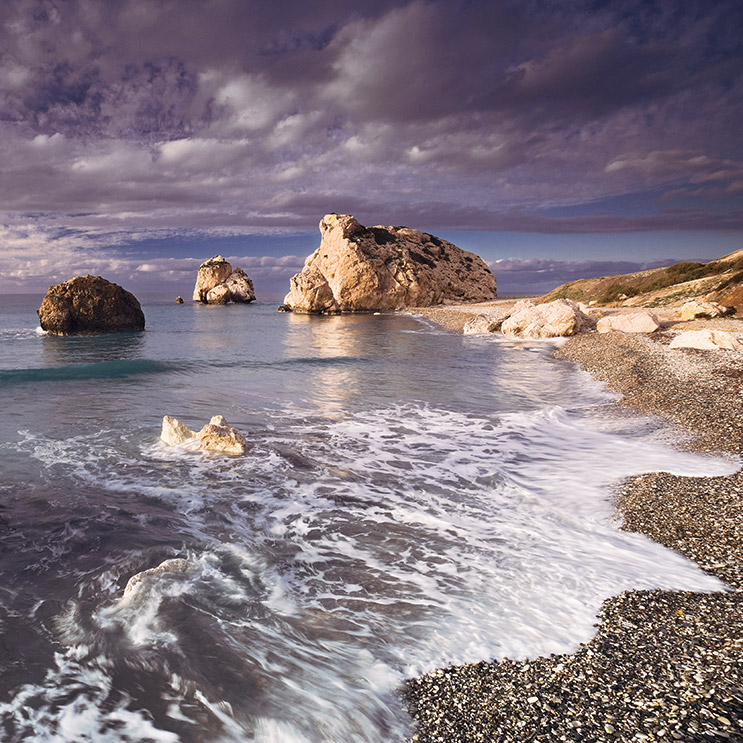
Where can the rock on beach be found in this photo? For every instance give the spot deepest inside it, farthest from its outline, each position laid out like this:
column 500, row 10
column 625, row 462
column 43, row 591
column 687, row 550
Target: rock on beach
column 628, row 322
column 562, row 317
column 707, row 340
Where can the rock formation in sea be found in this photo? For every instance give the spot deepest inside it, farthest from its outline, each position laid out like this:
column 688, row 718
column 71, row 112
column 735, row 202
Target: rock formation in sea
column 553, row 319
column 361, row 269
column 218, row 283
column 217, row 435
column 89, row 304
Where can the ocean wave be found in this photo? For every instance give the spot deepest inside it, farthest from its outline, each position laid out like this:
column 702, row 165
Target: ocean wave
column 116, row 369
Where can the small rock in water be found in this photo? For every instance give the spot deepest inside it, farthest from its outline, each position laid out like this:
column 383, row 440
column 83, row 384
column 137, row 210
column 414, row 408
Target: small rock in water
column 222, row 438
column 179, row 300
column 174, row 432
column 174, row 565
column 217, row 435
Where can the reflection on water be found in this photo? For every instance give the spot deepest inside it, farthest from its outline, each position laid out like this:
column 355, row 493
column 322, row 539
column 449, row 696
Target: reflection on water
column 92, row 349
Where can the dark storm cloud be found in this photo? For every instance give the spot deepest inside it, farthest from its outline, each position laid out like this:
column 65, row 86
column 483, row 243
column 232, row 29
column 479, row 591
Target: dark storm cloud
column 209, row 114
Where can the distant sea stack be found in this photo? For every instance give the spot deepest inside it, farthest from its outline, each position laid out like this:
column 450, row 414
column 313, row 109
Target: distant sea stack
column 362, row 269
column 218, row 283
column 89, row 304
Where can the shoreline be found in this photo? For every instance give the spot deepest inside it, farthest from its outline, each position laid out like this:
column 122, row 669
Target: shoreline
column 664, row 665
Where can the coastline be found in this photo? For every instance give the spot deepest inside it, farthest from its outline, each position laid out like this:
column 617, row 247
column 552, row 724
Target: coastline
column 664, row 665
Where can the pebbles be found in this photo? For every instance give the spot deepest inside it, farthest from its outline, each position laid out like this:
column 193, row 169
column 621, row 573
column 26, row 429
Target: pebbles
column 663, row 665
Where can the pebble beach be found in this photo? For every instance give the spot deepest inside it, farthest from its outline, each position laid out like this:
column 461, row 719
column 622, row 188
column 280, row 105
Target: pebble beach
column 663, row 665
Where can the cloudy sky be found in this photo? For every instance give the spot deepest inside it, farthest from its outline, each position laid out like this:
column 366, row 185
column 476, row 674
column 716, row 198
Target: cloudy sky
column 556, row 138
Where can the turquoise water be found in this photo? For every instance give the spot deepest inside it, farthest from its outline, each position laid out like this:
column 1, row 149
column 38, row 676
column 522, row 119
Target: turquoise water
column 409, row 499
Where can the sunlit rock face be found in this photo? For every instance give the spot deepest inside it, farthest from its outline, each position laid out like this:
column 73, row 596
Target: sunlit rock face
column 361, row 269
column 630, row 322
column 708, row 340
column 562, row 317
column 218, row 283
column 89, row 304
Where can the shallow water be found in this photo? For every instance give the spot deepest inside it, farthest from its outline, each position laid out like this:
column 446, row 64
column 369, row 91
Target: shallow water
column 409, row 499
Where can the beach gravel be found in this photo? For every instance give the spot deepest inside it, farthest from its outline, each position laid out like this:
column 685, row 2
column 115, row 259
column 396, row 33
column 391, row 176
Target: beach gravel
column 664, row 665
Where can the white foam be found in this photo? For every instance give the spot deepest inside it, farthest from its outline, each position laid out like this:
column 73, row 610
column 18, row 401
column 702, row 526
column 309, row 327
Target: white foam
column 343, row 553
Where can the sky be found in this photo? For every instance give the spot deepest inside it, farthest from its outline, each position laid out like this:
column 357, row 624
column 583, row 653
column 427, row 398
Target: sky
column 555, row 138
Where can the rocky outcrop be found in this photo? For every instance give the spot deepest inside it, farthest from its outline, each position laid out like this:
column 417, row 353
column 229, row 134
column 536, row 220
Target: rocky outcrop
column 707, row 340
column 361, row 269
column 553, row 319
column 218, row 283
column 217, row 436
column 89, row 304
column 629, row 322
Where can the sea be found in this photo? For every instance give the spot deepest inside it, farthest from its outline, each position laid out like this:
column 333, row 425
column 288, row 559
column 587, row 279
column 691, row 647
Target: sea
column 410, row 499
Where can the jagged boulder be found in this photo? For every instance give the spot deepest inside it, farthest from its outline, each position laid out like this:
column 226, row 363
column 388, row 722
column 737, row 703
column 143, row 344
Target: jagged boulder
column 218, row 283
column 362, row 269
column 698, row 308
column 562, row 317
column 89, row 304
column 628, row 322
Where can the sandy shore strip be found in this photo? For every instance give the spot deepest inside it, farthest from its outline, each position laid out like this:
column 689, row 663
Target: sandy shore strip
column 664, row 665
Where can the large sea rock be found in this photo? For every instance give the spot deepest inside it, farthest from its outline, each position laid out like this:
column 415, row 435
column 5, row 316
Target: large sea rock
column 361, row 269
column 89, row 304
column 218, row 283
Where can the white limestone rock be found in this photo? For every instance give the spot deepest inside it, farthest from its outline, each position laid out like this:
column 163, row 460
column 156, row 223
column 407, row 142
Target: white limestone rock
column 562, row 317
column 218, row 436
column 628, row 322
column 174, row 432
column 484, row 323
column 707, row 340
column 696, row 308
column 362, row 269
